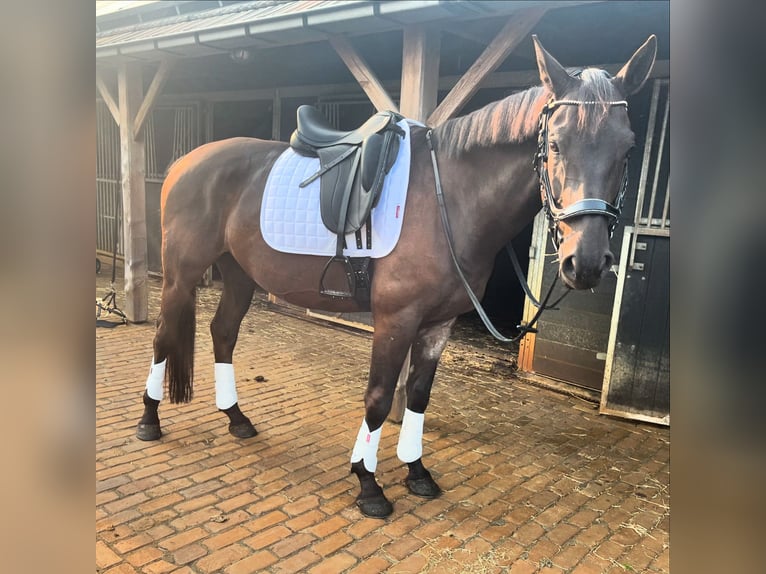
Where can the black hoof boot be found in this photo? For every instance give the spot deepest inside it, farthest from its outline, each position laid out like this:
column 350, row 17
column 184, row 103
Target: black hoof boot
column 419, row 481
column 378, row 507
column 146, row 431
column 239, row 425
column 149, row 426
column 243, row 430
column 371, row 501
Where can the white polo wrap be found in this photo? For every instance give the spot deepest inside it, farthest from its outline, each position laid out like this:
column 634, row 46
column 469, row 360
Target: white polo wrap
column 156, row 380
column 410, row 447
column 225, row 387
column 366, row 447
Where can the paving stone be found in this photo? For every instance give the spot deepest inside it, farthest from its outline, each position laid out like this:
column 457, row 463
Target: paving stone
column 534, row 481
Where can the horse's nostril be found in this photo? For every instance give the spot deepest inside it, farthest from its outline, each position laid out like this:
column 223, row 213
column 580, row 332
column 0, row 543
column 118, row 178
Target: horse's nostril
column 568, row 267
column 608, row 262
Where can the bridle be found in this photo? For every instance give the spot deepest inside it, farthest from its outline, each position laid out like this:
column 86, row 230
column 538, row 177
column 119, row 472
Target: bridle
column 588, row 206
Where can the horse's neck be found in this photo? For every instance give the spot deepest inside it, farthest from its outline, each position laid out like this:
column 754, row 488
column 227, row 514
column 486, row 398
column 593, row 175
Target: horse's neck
column 496, row 197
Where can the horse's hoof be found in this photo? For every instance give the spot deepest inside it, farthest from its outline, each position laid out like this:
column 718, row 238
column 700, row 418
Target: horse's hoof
column 424, row 487
column 243, row 430
column 378, row 507
column 146, row 431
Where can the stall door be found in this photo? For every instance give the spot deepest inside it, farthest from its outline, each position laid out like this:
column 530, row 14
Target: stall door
column 637, row 373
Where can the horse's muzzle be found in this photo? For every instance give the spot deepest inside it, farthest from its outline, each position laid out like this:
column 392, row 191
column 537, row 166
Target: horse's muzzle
column 580, row 272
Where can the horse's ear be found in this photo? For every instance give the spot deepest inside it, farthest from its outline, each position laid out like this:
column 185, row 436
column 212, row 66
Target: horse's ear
column 552, row 74
column 633, row 74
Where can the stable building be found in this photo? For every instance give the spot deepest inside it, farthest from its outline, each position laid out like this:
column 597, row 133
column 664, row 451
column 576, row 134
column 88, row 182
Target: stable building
column 174, row 75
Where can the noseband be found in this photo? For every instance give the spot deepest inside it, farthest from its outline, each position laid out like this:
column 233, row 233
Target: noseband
column 588, row 206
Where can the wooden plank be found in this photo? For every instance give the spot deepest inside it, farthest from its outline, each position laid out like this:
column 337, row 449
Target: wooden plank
column 535, row 274
column 106, row 95
column 151, row 95
column 572, row 364
column 133, row 156
column 363, row 74
column 569, row 373
column 515, row 30
column 420, row 72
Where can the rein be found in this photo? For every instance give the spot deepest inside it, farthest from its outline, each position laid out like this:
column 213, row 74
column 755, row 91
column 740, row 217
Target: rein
column 523, row 329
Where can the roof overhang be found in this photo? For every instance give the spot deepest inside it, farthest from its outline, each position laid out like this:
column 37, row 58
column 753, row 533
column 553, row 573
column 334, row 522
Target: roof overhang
column 269, row 24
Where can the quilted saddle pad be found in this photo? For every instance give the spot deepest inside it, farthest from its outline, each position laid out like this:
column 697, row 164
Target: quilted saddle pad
column 292, row 223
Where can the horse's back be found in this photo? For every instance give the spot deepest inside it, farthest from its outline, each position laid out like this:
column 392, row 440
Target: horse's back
column 214, row 174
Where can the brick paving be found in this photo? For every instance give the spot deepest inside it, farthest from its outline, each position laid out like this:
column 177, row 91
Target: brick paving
column 535, row 481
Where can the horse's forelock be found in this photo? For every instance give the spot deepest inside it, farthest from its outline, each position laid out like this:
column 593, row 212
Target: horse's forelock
column 596, row 85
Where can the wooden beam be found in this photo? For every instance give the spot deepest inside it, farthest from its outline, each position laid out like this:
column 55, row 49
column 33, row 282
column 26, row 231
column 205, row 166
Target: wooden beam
column 363, row 74
column 518, row 80
column 515, row 30
column 106, row 95
column 420, row 72
column 151, row 95
column 133, row 156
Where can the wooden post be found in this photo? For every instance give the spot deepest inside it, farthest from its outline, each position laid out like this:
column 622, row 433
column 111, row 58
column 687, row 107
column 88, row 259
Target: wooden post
column 420, row 72
column 130, row 95
column 535, row 281
column 420, row 83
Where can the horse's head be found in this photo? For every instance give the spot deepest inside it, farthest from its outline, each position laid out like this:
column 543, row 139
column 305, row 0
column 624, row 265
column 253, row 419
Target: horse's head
column 585, row 138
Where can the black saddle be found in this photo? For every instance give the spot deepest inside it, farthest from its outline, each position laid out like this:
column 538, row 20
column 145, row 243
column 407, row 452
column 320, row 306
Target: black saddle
column 314, row 131
column 353, row 167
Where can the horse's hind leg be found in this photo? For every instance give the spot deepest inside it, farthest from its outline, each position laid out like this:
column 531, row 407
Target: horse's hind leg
column 426, row 352
column 237, row 294
column 173, row 349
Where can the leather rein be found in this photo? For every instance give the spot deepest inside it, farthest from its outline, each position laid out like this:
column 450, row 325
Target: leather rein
column 554, row 214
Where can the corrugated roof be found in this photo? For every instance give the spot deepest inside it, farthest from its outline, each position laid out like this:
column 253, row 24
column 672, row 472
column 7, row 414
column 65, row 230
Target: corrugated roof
column 275, row 22
column 218, row 17
column 105, row 7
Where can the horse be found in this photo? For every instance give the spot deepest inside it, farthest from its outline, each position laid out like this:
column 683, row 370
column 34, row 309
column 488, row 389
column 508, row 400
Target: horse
column 575, row 128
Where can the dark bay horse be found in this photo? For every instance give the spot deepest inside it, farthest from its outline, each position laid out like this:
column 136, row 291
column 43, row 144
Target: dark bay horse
column 575, row 127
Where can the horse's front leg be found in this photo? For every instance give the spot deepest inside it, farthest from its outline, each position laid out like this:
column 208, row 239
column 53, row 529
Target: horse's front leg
column 426, row 352
column 391, row 341
column 235, row 301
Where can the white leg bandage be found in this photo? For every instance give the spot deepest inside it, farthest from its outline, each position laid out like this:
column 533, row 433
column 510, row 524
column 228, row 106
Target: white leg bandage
column 156, row 380
column 366, row 447
column 225, row 387
column 410, row 447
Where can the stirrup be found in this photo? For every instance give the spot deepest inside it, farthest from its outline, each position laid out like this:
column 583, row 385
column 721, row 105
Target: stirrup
column 350, row 278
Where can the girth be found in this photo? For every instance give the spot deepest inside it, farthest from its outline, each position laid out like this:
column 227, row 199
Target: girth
column 353, row 167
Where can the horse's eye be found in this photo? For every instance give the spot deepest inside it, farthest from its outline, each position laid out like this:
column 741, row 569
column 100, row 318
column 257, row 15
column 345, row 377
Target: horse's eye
column 554, row 147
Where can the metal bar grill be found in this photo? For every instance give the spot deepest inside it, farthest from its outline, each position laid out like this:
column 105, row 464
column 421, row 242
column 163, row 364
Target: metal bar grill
column 652, row 190
column 108, row 192
column 658, row 164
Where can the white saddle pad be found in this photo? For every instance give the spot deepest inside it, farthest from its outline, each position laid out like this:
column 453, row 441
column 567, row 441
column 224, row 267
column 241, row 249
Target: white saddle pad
column 291, row 221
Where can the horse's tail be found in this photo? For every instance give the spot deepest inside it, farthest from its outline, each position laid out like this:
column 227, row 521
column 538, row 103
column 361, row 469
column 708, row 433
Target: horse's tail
column 180, row 355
